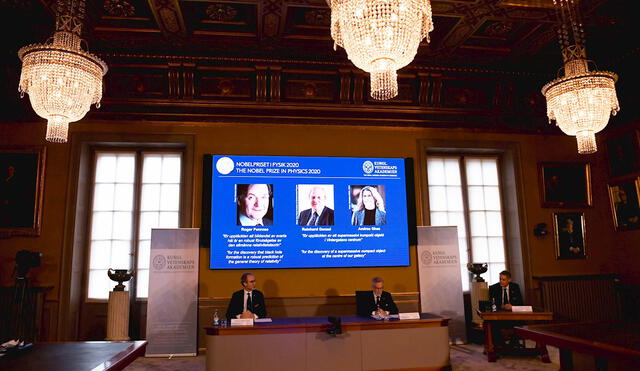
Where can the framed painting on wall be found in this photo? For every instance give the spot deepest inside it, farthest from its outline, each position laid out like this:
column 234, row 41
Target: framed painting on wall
column 21, row 190
column 569, row 235
column 565, row 184
column 625, row 204
column 623, row 154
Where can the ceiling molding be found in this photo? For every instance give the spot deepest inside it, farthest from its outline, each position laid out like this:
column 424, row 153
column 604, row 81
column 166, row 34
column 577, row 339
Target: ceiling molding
column 169, row 19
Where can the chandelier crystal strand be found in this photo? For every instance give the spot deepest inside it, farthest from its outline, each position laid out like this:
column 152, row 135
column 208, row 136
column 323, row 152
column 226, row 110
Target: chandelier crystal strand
column 62, row 80
column 581, row 101
column 380, row 37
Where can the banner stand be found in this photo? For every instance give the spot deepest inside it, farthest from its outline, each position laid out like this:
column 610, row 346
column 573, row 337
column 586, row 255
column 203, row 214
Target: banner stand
column 440, row 282
column 172, row 306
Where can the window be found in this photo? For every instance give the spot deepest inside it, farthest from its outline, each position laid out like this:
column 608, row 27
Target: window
column 133, row 192
column 465, row 192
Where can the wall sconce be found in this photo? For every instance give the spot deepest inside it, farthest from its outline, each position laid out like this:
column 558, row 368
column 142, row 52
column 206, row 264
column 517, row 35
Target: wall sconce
column 540, row 230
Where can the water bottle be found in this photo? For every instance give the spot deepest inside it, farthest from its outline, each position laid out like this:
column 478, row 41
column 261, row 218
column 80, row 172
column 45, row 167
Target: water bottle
column 493, row 305
column 216, row 319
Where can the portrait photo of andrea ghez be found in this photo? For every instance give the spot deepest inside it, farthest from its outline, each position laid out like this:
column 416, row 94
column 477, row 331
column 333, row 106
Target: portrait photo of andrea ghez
column 369, row 206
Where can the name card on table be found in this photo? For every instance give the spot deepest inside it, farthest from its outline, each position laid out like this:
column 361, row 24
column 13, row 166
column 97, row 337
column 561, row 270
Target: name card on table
column 262, row 320
column 242, row 322
column 522, row 308
column 410, row 315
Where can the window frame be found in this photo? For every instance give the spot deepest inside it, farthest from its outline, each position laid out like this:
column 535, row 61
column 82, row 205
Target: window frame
column 460, row 156
column 139, row 152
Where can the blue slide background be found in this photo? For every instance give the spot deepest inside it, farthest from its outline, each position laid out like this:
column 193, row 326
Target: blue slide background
column 287, row 245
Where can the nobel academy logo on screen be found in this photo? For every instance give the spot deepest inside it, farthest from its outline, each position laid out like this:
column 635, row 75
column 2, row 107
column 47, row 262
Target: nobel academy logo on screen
column 367, row 167
column 224, row 165
column 379, row 167
column 304, row 212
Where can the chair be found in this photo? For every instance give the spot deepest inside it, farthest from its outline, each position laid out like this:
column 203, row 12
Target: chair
column 362, row 303
column 484, row 306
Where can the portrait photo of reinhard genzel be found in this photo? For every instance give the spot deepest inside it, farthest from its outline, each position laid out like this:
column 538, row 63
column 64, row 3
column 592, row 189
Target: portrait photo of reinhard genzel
column 315, row 202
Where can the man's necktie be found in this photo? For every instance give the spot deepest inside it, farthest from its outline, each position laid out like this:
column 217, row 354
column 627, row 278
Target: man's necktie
column 505, row 296
column 314, row 219
column 377, row 301
column 249, row 303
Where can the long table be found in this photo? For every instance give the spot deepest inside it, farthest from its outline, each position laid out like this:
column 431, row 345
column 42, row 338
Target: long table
column 303, row 344
column 603, row 342
column 81, row 355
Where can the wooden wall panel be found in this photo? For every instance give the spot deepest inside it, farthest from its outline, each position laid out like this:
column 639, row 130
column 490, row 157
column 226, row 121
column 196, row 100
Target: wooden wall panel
column 475, row 94
column 310, row 85
column 49, row 330
column 428, row 97
column 223, row 87
column 224, row 83
column 137, row 83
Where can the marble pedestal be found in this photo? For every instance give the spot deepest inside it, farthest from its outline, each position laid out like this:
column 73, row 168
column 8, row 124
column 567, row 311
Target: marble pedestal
column 118, row 316
column 479, row 291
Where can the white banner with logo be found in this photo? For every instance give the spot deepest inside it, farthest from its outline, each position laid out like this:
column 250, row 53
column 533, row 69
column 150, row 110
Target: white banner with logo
column 440, row 282
column 172, row 307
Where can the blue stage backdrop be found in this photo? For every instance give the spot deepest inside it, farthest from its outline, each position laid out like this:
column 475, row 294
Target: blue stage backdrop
column 262, row 212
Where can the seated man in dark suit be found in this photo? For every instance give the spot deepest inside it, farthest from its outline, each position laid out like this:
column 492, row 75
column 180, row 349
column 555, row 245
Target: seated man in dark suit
column 248, row 302
column 376, row 301
column 319, row 213
column 505, row 294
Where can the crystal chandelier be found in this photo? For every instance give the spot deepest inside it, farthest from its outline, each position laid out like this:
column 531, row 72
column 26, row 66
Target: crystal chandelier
column 582, row 100
column 380, row 37
column 62, row 80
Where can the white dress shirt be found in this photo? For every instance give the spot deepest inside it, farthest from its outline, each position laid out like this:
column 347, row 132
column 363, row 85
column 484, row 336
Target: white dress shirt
column 246, row 221
column 244, row 303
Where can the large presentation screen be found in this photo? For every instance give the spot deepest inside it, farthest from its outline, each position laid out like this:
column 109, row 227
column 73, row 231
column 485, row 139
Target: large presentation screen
column 303, row 212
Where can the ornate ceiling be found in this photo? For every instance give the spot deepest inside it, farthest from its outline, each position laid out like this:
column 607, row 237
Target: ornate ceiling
column 280, row 52
column 515, row 35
